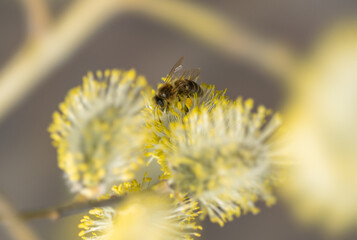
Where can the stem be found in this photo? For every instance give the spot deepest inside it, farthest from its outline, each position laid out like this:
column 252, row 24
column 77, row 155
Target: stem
column 38, row 15
column 215, row 30
column 39, row 56
column 68, row 209
column 14, row 225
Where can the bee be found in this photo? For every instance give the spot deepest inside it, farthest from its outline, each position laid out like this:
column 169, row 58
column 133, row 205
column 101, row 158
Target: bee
column 178, row 85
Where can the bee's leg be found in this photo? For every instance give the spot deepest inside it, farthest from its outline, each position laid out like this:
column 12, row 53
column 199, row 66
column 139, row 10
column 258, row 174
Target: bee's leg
column 185, row 108
column 156, row 114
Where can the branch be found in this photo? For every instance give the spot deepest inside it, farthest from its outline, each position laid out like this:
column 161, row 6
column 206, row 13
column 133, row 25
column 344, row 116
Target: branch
column 39, row 56
column 38, row 16
column 15, row 225
column 214, row 30
column 69, row 209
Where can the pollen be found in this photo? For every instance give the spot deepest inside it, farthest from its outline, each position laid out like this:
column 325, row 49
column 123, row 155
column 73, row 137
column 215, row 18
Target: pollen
column 223, row 158
column 99, row 132
column 158, row 122
column 157, row 216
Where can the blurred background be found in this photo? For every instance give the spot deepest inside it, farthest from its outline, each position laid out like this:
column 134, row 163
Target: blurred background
column 276, row 52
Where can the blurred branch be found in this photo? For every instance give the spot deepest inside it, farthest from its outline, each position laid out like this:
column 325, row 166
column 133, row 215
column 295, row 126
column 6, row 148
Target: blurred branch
column 69, row 209
column 38, row 15
column 15, row 225
column 39, row 56
column 213, row 29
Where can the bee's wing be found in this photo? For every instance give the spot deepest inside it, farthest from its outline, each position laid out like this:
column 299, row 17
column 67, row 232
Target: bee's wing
column 191, row 74
column 174, row 70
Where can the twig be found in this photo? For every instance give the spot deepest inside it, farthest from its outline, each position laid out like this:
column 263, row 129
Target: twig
column 14, row 225
column 68, row 209
column 38, row 15
column 213, row 29
column 39, row 57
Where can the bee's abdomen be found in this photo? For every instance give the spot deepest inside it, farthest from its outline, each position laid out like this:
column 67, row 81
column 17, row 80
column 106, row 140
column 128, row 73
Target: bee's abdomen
column 188, row 87
column 196, row 88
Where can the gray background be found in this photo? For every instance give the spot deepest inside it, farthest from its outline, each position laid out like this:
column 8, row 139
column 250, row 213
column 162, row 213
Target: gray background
column 28, row 170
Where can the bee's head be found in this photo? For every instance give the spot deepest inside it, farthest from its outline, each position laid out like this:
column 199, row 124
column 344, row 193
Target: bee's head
column 159, row 101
